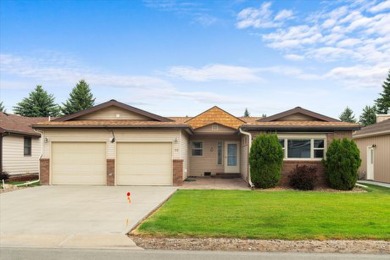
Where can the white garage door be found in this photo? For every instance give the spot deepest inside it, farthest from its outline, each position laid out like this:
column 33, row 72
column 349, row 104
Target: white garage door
column 79, row 163
column 144, row 164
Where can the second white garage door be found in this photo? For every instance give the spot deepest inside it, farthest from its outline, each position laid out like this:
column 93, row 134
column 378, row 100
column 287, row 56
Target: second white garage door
column 144, row 164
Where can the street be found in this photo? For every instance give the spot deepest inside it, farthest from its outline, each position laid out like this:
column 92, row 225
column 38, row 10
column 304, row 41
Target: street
column 99, row 254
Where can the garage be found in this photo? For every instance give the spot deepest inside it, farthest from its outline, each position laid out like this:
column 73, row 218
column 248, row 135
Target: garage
column 78, row 163
column 144, row 164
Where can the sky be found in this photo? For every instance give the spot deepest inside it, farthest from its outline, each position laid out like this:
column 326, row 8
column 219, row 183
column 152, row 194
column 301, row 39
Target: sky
column 181, row 57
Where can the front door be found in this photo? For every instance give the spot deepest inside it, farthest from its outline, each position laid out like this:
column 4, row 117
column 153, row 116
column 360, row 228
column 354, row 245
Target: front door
column 370, row 163
column 232, row 158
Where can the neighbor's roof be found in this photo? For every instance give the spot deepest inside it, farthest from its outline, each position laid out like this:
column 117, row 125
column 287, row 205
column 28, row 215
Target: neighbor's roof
column 16, row 124
column 215, row 115
column 380, row 128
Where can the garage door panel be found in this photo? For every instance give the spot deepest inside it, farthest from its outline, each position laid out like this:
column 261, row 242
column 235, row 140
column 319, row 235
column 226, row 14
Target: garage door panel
column 79, row 163
column 144, row 164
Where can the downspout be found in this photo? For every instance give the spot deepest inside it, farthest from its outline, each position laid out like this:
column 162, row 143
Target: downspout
column 249, row 149
column 40, row 157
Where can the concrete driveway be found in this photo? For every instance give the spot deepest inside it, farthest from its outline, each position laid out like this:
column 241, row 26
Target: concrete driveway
column 75, row 216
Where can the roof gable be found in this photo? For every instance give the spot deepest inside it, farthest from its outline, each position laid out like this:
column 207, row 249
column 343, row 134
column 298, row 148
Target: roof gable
column 113, row 110
column 215, row 115
column 298, row 114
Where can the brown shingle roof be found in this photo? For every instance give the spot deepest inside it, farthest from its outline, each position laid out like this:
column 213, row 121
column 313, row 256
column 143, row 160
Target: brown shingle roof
column 215, row 115
column 300, row 125
column 19, row 124
column 375, row 129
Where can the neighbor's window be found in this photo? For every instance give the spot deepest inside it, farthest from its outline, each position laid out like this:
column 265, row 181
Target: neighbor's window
column 197, row 148
column 303, row 148
column 27, row 146
column 219, row 153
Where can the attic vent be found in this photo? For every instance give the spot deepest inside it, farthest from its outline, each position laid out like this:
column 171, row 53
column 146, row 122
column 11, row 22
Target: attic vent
column 214, row 127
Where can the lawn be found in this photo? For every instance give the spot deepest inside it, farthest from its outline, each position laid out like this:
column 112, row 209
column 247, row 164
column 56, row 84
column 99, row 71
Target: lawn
column 273, row 215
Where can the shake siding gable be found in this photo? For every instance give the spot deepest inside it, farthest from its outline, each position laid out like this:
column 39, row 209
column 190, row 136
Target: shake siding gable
column 113, row 113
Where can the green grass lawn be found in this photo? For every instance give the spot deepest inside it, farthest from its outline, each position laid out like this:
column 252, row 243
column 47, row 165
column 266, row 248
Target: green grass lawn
column 273, row 215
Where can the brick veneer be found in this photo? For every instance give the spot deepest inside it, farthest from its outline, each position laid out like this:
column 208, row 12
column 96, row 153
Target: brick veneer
column 110, row 172
column 44, row 171
column 288, row 166
column 177, row 172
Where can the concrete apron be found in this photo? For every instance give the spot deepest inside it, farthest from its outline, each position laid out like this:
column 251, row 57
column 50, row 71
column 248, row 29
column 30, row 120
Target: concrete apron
column 76, row 217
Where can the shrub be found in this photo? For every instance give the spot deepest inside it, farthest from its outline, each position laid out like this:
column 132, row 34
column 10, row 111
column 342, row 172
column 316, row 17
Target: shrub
column 341, row 164
column 4, row 176
column 266, row 159
column 303, row 177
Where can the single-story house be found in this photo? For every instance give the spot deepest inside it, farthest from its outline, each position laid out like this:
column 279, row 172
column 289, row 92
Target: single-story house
column 116, row 144
column 374, row 145
column 20, row 145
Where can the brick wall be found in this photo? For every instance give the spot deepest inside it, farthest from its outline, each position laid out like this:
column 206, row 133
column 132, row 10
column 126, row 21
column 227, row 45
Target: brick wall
column 288, row 166
column 110, row 172
column 44, row 171
column 177, row 172
column 338, row 135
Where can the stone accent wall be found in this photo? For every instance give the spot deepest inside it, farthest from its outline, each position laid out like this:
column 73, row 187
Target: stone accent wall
column 110, row 172
column 177, row 172
column 44, row 171
column 288, row 166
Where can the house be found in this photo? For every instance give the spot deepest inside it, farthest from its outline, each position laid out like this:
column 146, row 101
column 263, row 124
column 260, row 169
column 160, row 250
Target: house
column 116, row 144
column 20, row 145
column 374, row 145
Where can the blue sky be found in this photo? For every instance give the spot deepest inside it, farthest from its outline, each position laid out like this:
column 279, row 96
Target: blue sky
column 181, row 57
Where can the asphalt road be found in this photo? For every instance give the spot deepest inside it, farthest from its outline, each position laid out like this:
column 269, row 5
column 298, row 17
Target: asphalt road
column 98, row 254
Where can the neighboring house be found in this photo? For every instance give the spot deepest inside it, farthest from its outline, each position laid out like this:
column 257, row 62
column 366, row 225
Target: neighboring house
column 20, row 145
column 374, row 145
column 116, row 144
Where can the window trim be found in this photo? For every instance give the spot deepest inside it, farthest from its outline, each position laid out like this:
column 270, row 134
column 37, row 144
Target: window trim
column 28, row 146
column 303, row 137
column 220, row 146
column 197, row 149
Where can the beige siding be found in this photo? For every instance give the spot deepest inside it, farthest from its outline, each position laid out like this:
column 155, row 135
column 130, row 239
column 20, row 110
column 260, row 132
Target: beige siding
column 244, row 157
column 122, row 135
column 215, row 129
column 14, row 160
column 208, row 161
column 113, row 113
column 297, row 117
column 381, row 156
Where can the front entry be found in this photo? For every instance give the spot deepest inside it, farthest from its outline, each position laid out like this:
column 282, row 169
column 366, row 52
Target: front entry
column 232, row 158
column 370, row 162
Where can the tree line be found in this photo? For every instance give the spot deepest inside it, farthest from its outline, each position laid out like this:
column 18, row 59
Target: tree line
column 368, row 116
column 40, row 103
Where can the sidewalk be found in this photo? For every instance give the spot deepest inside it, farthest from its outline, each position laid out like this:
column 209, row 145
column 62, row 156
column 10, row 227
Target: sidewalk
column 382, row 184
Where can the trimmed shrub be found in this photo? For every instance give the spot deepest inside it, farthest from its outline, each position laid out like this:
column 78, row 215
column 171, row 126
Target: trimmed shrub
column 4, row 176
column 266, row 159
column 342, row 164
column 303, row 177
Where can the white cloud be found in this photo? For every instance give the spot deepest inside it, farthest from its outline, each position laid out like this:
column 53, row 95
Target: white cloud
column 262, row 17
column 215, row 72
column 294, row 57
column 380, row 7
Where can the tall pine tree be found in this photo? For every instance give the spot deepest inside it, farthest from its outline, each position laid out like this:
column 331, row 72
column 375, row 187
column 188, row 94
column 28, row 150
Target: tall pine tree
column 38, row 104
column 383, row 103
column 2, row 108
column 368, row 117
column 246, row 113
column 79, row 99
column 348, row 116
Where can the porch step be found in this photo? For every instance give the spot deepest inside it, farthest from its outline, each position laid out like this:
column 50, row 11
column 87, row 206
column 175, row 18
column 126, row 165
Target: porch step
column 228, row 175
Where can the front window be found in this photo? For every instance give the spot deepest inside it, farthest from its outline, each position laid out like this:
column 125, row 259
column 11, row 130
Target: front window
column 197, row 148
column 27, row 146
column 219, row 153
column 301, row 148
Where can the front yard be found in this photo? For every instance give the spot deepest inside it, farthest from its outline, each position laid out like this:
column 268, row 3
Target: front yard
column 288, row 215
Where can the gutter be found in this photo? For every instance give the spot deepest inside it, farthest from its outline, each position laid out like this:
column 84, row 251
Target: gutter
column 249, row 148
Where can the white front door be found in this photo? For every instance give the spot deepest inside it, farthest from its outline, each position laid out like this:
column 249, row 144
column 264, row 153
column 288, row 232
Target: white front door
column 370, row 162
column 232, row 157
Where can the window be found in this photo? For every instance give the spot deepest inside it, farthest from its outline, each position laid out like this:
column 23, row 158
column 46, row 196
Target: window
column 219, row 153
column 197, row 148
column 303, row 148
column 27, row 146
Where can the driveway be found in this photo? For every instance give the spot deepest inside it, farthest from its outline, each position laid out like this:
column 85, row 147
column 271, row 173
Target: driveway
column 75, row 216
